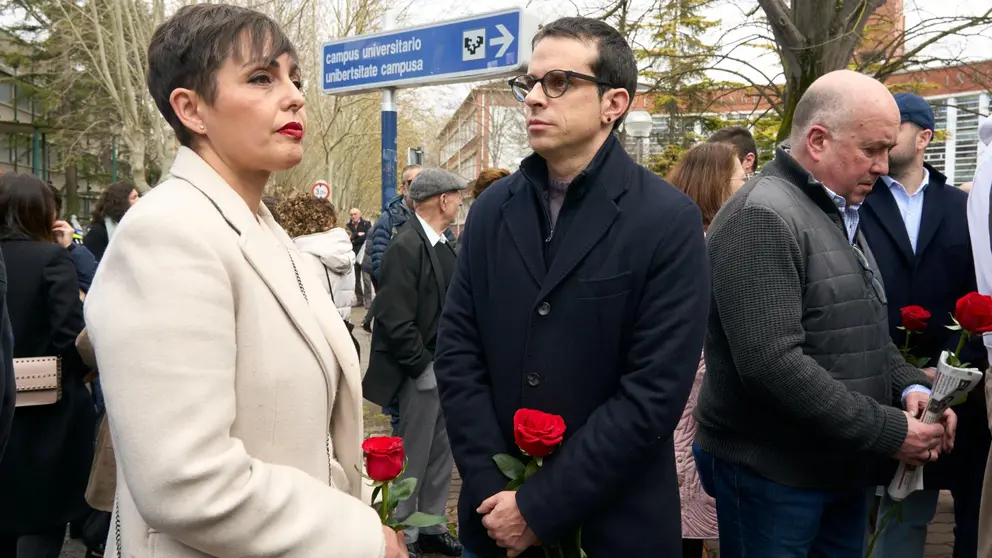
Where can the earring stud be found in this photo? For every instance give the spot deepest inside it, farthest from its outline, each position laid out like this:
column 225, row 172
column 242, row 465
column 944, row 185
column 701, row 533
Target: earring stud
column 202, row 127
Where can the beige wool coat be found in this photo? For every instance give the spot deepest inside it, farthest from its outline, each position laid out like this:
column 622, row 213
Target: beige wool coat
column 234, row 402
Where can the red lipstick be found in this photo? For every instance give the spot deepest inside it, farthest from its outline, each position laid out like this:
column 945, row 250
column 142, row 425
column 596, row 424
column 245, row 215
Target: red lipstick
column 293, row 130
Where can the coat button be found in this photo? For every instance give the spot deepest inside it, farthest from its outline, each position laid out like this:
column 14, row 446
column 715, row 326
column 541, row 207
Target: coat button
column 533, row 379
column 544, row 309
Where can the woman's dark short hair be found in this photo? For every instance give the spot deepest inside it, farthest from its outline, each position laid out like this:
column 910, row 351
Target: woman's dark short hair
column 615, row 62
column 190, row 47
column 27, row 207
column 113, row 202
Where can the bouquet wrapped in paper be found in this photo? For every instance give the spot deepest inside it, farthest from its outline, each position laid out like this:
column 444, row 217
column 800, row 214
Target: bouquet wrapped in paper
column 954, row 379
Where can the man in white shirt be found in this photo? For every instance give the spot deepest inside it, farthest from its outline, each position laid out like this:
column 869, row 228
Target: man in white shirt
column 915, row 225
column 416, row 269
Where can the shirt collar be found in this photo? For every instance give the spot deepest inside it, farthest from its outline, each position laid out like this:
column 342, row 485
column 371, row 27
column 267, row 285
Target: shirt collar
column 893, row 183
column 432, row 235
column 839, row 200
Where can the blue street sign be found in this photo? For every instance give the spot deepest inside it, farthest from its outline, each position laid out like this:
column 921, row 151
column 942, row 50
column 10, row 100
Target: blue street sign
column 468, row 49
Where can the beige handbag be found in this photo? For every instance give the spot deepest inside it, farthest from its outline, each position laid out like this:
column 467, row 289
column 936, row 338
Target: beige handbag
column 39, row 380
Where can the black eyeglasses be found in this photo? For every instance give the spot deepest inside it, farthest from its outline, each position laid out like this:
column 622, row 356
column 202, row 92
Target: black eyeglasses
column 554, row 83
column 869, row 275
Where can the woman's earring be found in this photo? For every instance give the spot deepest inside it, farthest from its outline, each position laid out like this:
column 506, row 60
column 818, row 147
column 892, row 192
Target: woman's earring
column 609, row 119
column 202, row 127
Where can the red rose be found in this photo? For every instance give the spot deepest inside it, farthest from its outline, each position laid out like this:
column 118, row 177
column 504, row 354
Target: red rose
column 973, row 313
column 914, row 318
column 383, row 457
column 537, row 433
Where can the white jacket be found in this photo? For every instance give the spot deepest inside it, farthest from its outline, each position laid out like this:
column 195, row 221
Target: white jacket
column 222, row 383
column 978, row 216
column 333, row 261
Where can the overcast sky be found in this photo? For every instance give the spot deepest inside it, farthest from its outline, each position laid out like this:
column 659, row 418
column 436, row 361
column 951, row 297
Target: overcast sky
column 447, row 98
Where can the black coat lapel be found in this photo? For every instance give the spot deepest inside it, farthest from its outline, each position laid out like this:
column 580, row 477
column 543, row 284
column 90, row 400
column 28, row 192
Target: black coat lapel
column 933, row 213
column 525, row 231
column 596, row 213
column 883, row 205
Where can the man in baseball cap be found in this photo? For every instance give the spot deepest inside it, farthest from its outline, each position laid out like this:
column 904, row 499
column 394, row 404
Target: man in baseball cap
column 916, row 226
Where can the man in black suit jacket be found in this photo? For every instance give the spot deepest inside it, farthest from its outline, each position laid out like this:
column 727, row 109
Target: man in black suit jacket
column 416, row 270
column 8, row 389
column 582, row 290
column 916, row 225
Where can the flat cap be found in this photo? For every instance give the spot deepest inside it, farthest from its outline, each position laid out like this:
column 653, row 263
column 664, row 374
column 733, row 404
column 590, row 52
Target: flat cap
column 432, row 182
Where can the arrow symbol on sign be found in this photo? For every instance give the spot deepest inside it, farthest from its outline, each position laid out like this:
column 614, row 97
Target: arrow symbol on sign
column 503, row 41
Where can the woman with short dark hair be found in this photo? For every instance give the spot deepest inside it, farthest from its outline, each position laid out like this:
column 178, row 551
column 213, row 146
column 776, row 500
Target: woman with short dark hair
column 108, row 211
column 233, row 389
column 46, row 465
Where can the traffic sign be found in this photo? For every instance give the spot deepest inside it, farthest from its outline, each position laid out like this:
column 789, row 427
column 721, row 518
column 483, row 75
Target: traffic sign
column 467, row 49
column 321, row 190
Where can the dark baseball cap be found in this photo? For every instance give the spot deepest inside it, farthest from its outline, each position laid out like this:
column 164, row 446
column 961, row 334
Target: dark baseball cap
column 915, row 109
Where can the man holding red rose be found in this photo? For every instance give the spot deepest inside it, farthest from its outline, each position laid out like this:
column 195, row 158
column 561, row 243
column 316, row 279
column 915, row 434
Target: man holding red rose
column 916, row 225
column 581, row 291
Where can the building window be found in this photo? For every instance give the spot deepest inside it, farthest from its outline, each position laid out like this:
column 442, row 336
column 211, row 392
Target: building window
column 6, row 92
column 966, row 139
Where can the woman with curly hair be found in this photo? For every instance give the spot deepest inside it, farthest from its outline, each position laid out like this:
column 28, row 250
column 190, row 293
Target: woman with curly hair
column 312, row 223
column 108, row 211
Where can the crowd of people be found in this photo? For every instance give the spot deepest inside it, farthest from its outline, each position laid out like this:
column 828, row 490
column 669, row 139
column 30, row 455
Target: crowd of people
column 718, row 351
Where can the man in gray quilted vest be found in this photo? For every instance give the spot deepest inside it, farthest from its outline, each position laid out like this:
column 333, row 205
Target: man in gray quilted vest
column 804, row 391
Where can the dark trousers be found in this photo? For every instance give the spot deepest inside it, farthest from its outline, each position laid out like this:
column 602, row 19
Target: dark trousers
column 47, row 544
column 692, row 548
column 967, row 494
column 359, row 293
column 759, row 517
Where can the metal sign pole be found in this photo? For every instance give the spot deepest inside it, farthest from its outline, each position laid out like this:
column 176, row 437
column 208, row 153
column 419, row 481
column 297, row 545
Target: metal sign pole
column 388, row 131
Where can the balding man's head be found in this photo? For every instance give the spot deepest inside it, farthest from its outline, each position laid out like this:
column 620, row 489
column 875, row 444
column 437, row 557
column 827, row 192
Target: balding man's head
column 842, row 130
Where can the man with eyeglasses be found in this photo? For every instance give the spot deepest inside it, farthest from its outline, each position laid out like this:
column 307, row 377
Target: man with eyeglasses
column 798, row 409
column 581, row 290
column 917, row 227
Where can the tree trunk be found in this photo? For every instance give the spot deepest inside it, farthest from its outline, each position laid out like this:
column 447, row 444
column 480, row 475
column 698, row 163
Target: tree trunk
column 811, row 68
column 135, row 140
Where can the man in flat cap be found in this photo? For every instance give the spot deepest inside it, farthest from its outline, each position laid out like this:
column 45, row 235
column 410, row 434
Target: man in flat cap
column 416, row 270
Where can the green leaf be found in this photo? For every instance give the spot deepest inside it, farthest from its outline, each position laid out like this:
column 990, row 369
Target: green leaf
column 954, row 327
column 510, row 466
column 515, row 484
column 401, row 491
column 419, row 519
column 375, row 493
column 530, row 470
column 540, row 461
column 900, row 328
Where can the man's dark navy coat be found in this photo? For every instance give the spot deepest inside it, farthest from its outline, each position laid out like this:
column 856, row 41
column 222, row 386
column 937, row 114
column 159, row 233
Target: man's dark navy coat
column 941, row 271
column 601, row 322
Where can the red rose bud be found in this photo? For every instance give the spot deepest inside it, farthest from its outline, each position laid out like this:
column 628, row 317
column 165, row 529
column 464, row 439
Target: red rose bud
column 383, row 457
column 973, row 313
column 537, row 433
column 914, row 318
